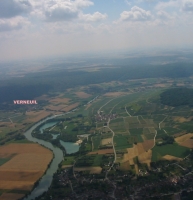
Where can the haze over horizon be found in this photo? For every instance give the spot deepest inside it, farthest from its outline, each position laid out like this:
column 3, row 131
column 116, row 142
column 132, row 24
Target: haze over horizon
column 33, row 28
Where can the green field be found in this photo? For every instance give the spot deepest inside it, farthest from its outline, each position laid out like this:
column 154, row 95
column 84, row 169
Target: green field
column 118, row 127
column 68, row 160
column 171, row 131
column 89, row 160
column 132, row 120
column 137, row 132
column 169, row 149
column 88, row 146
column 4, row 160
column 96, row 141
column 122, row 142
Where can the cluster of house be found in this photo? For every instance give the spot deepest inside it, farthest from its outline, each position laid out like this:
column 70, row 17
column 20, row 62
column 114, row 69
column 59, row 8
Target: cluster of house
column 105, row 117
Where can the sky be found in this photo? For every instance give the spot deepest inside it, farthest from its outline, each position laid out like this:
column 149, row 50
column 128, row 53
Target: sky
column 43, row 28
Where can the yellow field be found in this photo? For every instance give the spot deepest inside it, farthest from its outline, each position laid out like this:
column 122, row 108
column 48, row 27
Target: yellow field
column 169, row 157
column 183, row 138
column 181, row 119
column 27, row 164
column 139, row 151
column 93, row 170
column 34, row 116
column 131, row 153
column 106, row 141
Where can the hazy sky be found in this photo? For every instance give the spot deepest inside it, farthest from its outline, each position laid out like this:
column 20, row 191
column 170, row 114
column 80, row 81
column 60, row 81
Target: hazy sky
column 35, row 28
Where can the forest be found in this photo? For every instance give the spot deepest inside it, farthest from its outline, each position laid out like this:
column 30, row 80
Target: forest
column 177, row 97
column 40, row 83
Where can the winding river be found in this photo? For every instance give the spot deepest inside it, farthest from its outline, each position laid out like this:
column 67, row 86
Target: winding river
column 46, row 180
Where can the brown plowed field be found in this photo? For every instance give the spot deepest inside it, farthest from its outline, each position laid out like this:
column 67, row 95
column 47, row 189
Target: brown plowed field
column 17, row 185
column 23, row 148
column 16, row 175
column 188, row 143
column 70, row 107
column 11, row 196
column 125, row 166
column 82, row 95
column 145, row 157
column 114, row 94
column 33, row 116
column 55, row 108
column 59, row 100
column 27, row 165
column 140, row 148
column 148, row 144
column 93, row 170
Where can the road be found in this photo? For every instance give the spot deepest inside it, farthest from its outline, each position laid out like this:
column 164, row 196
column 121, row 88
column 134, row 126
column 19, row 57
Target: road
column 104, row 105
column 127, row 111
column 162, row 122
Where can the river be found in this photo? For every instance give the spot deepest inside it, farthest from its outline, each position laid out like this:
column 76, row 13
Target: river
column 46, row 180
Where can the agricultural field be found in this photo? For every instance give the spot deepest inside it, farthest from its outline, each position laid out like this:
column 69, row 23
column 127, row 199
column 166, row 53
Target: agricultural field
column 170, row 149
column 22, row 165
column 68, row 160
column 122, row 142
column 11, row 196
column 82, row 95
column 125, row 126
column 140, row 118
column 91, row 170
column 141, row 121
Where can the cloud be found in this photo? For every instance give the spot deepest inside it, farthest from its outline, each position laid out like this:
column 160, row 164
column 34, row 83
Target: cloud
column 12, row 8
column 97, row 16
column 146, row 1
column 168, row 4
column 127, row 2
column 136, row 14
column 60, row 10
column 163, row 15
column 12, row 24
column 83, row 3
column 188, row 6
column 61, row 13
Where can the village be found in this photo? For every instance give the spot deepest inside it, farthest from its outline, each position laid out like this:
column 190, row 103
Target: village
column 158, row 182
